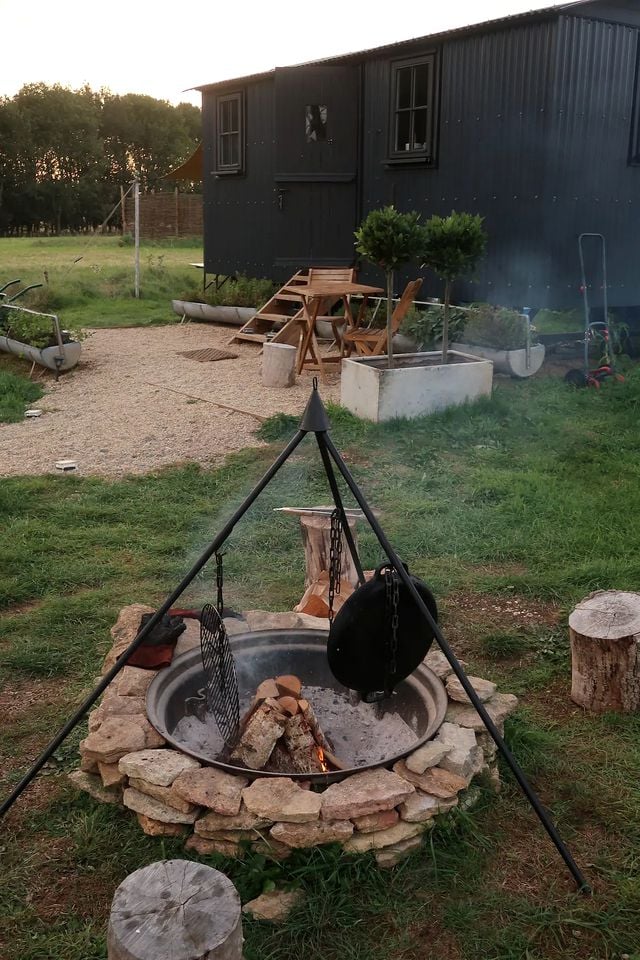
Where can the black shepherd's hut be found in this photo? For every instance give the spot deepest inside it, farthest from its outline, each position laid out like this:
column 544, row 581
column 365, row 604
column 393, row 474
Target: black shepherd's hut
column 533, row 121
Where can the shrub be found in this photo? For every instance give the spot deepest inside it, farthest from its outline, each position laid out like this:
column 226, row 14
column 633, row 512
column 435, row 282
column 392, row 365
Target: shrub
column 425, row 326
column 497, row 327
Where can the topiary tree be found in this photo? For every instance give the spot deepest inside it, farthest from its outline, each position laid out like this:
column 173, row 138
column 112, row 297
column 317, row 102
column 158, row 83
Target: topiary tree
column 390, row 239
column 452, row 246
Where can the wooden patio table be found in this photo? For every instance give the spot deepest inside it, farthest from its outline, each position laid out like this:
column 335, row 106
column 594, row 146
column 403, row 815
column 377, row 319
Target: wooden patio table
column 312, row 296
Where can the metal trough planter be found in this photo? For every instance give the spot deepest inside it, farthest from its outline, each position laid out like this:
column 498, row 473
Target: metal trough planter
column 58, row 357
column 515, row 363
column 235, row 316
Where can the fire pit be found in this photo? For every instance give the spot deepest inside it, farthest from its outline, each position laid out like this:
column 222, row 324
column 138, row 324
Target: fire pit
column 362, row 735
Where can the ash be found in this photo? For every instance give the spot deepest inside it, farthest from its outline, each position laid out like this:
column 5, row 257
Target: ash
column 358, row 732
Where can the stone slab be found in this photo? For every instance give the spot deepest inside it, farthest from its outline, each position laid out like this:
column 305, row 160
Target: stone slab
column 499, row 707
column 155, row 809
column 208, row 847
column 163, row 794
column 391, row 856
column 133, row 681
column 111, row 775
column 312, row 834
column 93, row 785
column 361, row 842
column 211, row 788
column 155, row 828
column 274, row 906
column 485, row 689
column 435, row 781
column 124, row 631
column 362, row 793
column 376, row 821
column 426, row 756
column 280, row 799
column 157, row 766
column 420, row 807
column 115, row 738
column 213, row 822
column 464, row 757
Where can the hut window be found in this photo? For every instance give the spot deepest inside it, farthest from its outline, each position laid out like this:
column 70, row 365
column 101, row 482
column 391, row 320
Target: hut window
column 315, row 122
column 230, row 138
column 412, row 100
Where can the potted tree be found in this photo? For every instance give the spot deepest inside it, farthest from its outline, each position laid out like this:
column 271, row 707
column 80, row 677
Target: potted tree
column 503, row 336
column 411, row 384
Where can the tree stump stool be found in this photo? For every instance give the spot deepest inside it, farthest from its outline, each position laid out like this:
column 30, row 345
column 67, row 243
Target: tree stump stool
column 278, row 365
column 316, row 539
column 175, row 910
column 605, row 652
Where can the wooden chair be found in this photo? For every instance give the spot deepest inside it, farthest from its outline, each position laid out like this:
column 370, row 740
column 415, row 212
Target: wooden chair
column 291, row 331
column 373, row 341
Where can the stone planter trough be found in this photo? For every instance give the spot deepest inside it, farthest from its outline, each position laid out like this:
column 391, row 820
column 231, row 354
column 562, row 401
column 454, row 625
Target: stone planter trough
column 511, row 362
column 418, row 384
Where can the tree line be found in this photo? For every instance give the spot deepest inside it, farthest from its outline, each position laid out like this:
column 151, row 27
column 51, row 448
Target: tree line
column 64, row 154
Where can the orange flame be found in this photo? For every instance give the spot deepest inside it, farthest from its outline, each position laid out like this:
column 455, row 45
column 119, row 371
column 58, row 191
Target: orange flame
column 323, row 764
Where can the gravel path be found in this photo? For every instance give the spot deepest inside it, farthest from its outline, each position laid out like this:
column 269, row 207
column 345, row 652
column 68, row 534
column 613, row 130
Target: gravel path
column 115, row 414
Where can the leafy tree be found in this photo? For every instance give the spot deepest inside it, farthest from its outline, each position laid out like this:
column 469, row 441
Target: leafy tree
column 451, row 247
column 390, row 239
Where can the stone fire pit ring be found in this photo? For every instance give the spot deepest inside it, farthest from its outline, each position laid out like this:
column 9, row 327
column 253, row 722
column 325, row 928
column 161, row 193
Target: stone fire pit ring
column 421, row 700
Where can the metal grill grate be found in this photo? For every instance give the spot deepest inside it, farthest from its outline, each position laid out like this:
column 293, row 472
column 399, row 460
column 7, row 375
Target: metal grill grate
column 220, row 673
column 208, row 354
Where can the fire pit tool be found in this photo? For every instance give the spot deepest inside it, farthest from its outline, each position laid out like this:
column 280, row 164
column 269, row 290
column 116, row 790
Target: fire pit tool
column 315, row 421
column 379, row 636
column 220, row 673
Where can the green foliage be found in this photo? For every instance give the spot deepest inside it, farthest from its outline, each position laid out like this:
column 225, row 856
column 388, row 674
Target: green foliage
column 389, row 238
column 241, row 291
column 453, row 245
column 497, row 327
column 426, row 325
column 16, row 393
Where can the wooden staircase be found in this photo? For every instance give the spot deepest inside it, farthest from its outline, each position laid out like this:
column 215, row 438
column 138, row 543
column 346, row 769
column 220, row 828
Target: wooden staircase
column 279, row 318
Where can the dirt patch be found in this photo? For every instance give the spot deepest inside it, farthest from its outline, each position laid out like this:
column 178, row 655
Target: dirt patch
column 131, row 405
column 19, row 698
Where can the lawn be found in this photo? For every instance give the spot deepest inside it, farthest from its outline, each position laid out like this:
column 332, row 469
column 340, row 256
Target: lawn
column 526, row 502
column 89, row 281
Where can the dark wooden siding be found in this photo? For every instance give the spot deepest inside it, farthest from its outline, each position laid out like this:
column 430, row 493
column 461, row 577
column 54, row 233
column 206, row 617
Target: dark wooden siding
column 592, row 186
column 239, row 209
column 495, row 94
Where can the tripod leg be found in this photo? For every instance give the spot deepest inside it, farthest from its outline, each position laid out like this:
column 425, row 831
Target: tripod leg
column 540, row 811
column 155, row 619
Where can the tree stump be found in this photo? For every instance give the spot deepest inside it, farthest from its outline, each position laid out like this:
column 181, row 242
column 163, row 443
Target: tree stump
column 316, row 538
column 175, row 910
column 605, row 652
column 278, row 365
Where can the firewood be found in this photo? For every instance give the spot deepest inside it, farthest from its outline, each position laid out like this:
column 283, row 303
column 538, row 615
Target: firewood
column 266, row 689
column 289, row 705
column 262, row 731
column 288, row 686
column 315, row 599
column 301, row 746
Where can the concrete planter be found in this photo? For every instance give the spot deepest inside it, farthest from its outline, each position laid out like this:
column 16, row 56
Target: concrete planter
column 418, row 384
column 511, row 362
column 54, row 358
column 235, row 316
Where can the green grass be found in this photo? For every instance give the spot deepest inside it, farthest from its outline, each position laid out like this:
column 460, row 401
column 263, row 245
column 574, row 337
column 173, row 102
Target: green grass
column 532, row 497
column 16, row 393
column 90, row 280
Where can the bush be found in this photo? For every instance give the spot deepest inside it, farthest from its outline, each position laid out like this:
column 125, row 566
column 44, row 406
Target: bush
column 425, row 326
column 241, row 292
column 497, row 327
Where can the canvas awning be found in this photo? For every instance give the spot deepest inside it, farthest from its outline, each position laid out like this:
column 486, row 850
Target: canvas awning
column 191, row 169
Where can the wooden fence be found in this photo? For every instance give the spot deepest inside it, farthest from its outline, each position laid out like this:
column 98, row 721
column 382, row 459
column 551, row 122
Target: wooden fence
column 164, row 215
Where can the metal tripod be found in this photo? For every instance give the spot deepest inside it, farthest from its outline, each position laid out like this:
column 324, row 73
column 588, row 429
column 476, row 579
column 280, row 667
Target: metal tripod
column 315, row 421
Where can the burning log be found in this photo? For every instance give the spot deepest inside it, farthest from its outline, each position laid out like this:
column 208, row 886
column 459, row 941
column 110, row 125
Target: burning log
column 281, row 733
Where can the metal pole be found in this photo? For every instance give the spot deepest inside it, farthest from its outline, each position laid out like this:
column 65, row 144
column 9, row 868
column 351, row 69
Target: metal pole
column 459, row 672
column 136, row 233
column 337, row 499
column 155, row 619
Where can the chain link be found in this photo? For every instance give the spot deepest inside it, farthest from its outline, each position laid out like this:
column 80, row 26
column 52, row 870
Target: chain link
column 219, row 583
column 392, row 594
column 335, row 559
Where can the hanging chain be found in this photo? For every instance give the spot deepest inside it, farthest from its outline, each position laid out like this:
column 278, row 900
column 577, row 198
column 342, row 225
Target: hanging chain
column 392, row 593
column 335, row 559
column 219, row 582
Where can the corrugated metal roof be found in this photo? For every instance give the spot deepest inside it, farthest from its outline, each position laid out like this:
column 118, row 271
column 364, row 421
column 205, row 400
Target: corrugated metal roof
column 400, row 44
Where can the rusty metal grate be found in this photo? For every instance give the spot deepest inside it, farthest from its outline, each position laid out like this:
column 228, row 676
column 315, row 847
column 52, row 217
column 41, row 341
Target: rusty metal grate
column 209, row 354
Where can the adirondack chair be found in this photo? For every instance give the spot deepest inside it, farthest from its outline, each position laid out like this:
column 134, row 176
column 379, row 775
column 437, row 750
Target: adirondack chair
column 373, row 342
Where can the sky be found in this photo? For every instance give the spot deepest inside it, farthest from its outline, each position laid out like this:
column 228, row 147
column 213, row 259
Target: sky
column 163, row 48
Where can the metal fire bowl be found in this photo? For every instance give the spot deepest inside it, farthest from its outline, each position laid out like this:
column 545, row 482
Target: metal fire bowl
column 420, row 700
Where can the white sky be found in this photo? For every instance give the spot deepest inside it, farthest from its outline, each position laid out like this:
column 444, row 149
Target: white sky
column 161, row 48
